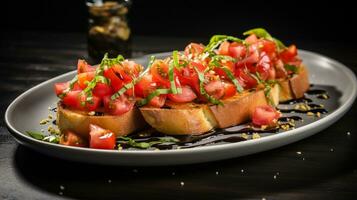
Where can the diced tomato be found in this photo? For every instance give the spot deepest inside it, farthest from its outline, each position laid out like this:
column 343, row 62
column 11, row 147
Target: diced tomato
column 229, row 90
column 237, row 50
column 194, row 49
column 131, row 68
column 77, row 100
column 224, row 48
column 280, row 69
column 215, row 89
column 101, row 90
column 222, row 74
column 84, row 78
column 245, row 79
column 269, row 48
column 83, row 67
column 251, row 39
column 118, row 106
column 263, row 66
column 116, row 80
column 160, row 73
column 265, row 115
column 289, row 54
column 101, row 138
column 69, row 138
column 145, row 86
column 187, row 95
column 60, row 87
column 158, row 101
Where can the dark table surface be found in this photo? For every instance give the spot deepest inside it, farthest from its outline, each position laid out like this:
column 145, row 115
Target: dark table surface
column 325, row 169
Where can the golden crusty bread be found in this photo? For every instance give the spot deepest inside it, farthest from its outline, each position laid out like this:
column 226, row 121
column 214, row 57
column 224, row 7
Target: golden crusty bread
column 180, row 119
column 185, row 119
column 239, row 108
column 78, row 121
column 192, row 118
column 296, row 86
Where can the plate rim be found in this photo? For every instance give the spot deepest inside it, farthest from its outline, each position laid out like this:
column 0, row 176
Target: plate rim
column 333, row 116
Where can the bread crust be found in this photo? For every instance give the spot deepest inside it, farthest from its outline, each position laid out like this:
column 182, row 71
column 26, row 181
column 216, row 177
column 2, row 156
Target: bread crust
column 294, row 87
column 78, row 121
column 184, row 119
column 239, row 108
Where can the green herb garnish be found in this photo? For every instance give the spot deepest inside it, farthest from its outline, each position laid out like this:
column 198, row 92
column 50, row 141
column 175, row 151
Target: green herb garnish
column 216, row 40
column 145, row 145
column 47, row 138
column 262, row 33
column 215, row 62
column 135, row 81
column 172, row 65
column 292, row 68
column 201, row 78
column 156, row 93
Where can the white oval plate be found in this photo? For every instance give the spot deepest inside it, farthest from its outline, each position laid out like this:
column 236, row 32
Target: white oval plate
column 26, row 110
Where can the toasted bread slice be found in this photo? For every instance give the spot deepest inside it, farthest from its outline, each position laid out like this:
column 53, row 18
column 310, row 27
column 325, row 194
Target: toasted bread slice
column 296, row 86
column 195, row 119
column 239, row 108
column 180, row 119
column 78, row 121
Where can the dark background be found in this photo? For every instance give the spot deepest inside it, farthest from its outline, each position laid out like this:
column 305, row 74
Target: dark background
column 306, row 20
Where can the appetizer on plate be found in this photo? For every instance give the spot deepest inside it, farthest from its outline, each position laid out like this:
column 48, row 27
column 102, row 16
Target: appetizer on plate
column 225, row 83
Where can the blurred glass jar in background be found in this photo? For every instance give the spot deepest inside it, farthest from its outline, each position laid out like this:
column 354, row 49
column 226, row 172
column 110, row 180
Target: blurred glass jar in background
column 108, row 30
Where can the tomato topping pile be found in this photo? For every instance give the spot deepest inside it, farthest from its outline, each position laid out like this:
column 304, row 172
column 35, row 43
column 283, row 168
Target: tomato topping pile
column 94, row 87
column 201, row 73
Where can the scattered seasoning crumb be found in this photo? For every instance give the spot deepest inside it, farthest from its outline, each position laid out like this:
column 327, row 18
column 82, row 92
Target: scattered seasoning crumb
column 324, row 96
column 318, row 114
column 321, row 106
column 277, row 173
column 182, row 183
column 244, row 135
column 303, row 158
column 242, row 170
column 299, row 152
column 310, row 114
column 60, row 193
column 44, row 121
column 255, row 136
column 263, row 198
column 173, row 173
column 274, row 176
column 91, row 113
column 348, row 133
column 135, row 170
column 61, row 187
column 263, row 127
column 109, row 181
column 331, row 150
column 217, row 172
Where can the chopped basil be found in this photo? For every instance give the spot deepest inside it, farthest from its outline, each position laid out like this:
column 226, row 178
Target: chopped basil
column 216, row 40
column 262, row 33
column 292, row 68
column 145, row 145
column 157, row 92
column 135, row 81
column 201, row 78
column 47, row 138
column 172, row 65
column 215, row 62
